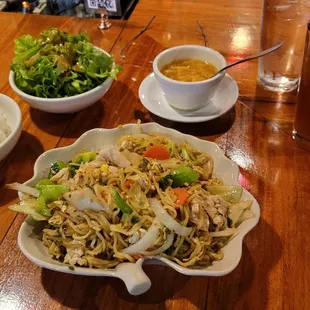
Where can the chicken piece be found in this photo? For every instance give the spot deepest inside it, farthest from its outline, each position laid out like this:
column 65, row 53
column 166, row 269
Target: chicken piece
column 61, row 176
column 170, row 163
column 142, row 180
column 75, row 254
column 71, row 183
column 113, row 155
column 113, row 170
column 87, row 175
column 106, row 170
column 134, row 158
column 95, row 164
column 199, row 217
column 209, row 208
column 74, row 257
column 216, row 207
column 127, row 145
column 136, row 236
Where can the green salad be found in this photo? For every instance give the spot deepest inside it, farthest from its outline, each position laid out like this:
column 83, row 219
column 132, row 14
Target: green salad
column 59, row 64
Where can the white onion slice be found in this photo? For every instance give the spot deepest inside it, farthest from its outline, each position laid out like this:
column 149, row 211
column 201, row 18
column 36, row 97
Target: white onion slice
column 223, row 233
column 83, row 199
column 163, row 248
column 167, row 220
column 146, row 241
column 23, row 188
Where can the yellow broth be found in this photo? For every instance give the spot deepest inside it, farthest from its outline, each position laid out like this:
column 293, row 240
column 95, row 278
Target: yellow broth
column 188, row 70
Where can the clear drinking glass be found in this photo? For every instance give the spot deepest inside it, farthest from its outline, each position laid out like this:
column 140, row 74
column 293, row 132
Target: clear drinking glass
column 282, row 20
column 301, row 130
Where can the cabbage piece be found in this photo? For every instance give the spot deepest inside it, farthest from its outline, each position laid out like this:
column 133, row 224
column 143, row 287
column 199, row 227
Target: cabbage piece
column 26, row 189
column 171, row 163
column 237, row 209
column 28, row 206
column 246, row 215
column 230, row 193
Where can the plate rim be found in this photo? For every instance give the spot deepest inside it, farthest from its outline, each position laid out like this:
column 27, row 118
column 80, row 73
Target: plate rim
column 193, row 119
column 152, row 127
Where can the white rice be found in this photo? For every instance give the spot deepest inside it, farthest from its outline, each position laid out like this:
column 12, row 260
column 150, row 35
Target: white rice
column 5, row 129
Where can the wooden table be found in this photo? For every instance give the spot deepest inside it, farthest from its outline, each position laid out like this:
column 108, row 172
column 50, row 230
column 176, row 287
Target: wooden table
column 274, row 270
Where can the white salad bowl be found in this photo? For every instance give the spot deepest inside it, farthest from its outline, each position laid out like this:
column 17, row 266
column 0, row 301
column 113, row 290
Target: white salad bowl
column 132, row 274
column 11, row 111
column 188, row 95
column 66, row 104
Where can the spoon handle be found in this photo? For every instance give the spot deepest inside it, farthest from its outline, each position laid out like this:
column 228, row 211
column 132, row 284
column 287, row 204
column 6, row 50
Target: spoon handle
column 260, row 54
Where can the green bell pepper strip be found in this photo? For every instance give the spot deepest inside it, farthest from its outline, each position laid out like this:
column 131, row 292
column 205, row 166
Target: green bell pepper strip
column 44, row 182
column 53, row 192
column 179, row 177
column 41, row 207
column 84, row 157
column 121, row 203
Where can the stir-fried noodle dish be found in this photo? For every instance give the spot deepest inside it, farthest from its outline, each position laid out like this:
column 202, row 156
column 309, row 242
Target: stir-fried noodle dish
column 145, row 196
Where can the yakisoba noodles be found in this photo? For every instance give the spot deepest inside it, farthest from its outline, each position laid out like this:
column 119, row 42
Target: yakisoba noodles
column 143, row 196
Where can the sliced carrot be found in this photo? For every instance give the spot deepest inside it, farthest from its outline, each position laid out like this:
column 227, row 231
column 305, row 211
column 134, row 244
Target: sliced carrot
column 128, row 183
column 182, row 195
column 159, row 152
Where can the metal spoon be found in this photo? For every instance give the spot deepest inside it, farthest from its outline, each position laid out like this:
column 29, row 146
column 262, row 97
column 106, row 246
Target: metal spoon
column 260, row 54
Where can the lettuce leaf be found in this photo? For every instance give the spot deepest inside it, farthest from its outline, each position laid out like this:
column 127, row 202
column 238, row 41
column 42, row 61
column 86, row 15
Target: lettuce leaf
column 25, row 47
column 59, row 64
column 25, row 43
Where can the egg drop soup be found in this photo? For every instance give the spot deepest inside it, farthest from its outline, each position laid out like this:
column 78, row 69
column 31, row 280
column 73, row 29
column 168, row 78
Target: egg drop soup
column 188, row 70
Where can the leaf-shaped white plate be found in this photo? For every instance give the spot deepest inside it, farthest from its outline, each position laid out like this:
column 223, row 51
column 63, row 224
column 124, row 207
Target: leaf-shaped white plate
column 132, row 274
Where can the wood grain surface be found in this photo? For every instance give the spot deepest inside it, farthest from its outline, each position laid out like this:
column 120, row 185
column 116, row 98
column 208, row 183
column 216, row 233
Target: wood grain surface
column 274, row 271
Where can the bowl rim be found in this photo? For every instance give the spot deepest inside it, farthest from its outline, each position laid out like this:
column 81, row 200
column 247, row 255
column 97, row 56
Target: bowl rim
column 18, row 119
column 49, row 100
column 188, row 47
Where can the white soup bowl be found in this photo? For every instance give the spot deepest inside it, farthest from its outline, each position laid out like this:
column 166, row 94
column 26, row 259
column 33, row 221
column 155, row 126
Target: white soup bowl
column 189, row 95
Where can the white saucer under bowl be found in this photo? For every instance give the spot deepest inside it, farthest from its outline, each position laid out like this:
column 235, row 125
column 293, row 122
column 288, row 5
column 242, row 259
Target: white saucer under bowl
column 154, row 100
